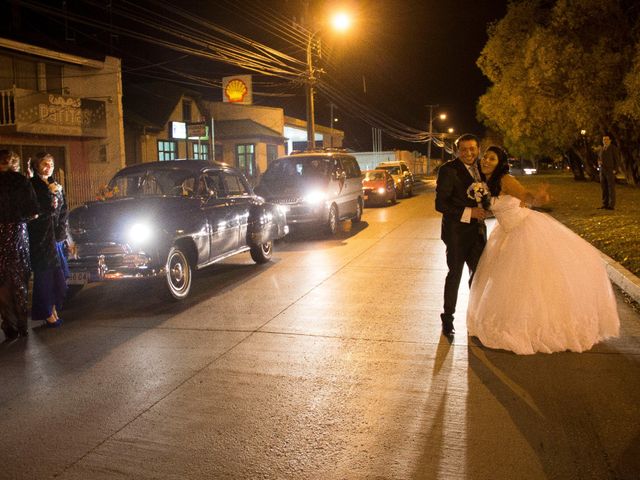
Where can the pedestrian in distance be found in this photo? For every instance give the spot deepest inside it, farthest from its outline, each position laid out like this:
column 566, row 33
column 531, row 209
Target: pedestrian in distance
column 45, row 239
column 463, row 230
column 608, row 161
column 538, row 287
column 19, row 203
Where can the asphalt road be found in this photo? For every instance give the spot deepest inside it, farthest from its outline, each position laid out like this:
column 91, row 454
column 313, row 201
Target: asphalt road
column 326, row 363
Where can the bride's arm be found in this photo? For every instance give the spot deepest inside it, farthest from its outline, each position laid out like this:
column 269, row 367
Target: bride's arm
column 513, row 187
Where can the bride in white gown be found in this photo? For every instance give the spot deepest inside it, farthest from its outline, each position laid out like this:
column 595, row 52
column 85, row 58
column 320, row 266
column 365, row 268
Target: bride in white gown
column 538, row 287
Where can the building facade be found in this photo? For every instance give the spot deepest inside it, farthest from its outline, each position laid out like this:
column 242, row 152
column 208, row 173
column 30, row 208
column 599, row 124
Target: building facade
column 247, row 137
column 66, row 105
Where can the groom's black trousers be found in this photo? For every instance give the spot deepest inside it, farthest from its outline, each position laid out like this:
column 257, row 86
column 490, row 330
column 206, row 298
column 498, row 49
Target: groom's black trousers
column 461, row 249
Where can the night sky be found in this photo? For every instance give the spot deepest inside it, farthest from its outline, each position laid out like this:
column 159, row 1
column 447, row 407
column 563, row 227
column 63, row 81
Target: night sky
column 408, row 54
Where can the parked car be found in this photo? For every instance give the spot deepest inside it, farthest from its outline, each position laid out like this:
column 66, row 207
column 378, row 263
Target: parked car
column 521, row 167
column 402, row 176
column 317, row 188
column 379, row 187
column 166, row 219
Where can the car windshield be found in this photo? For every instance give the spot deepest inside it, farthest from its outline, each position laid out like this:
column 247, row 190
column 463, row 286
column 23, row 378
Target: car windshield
column 305, row 167
column 374, row 175
column 167, row 182
column 392, row 169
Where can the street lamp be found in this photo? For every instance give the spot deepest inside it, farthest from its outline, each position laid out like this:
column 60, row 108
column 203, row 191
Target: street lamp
column 443, row 116
column 341, row 22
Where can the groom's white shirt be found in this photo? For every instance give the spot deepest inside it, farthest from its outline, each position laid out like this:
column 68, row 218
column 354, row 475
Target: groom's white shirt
column 473, row 171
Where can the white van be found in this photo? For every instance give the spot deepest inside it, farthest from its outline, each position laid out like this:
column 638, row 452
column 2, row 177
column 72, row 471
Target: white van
column 316, row 188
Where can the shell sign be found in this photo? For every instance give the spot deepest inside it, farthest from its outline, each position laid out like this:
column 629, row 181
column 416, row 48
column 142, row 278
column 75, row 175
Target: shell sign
column 237, row 89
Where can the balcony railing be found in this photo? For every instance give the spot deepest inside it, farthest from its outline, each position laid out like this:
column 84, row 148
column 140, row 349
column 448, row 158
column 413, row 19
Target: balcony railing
column 7, row 108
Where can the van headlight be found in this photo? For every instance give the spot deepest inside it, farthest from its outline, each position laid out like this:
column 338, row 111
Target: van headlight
column 139, row 233
column 316, row 196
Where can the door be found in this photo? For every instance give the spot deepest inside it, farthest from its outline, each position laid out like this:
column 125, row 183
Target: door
column 222, row 226
column 240, row 200
column 353, row 184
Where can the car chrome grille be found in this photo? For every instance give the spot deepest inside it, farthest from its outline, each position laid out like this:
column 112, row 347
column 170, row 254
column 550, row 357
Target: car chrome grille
column 97, row 249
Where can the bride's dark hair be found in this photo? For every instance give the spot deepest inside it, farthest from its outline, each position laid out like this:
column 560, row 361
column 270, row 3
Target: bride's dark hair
column 501, row 169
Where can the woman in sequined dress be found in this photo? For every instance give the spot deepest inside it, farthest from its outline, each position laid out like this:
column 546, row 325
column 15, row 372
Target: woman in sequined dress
column 18, row 202
column 49, row 285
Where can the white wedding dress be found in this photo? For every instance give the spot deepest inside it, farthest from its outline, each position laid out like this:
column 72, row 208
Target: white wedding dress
column 539, row 287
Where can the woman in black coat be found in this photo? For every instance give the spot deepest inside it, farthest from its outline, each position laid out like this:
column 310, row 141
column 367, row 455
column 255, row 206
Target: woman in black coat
column 18, row 204
column 49, row 284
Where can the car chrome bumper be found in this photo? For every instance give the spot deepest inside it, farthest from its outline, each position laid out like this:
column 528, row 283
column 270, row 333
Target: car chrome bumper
column 117, row 262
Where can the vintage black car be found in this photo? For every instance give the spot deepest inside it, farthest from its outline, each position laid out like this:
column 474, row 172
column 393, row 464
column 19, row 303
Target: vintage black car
column 167, row 219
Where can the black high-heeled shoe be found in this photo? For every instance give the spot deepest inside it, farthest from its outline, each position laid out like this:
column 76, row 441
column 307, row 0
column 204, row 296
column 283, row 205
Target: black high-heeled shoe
column 55, row 324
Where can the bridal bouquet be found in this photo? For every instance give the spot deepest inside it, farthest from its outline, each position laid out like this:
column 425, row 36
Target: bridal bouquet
column 479, row 191
column 55, row 187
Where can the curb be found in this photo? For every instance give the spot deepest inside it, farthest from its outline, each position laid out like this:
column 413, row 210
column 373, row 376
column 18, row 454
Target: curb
column 622, row 277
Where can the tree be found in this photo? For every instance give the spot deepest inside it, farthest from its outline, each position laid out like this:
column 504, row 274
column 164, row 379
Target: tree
column 557, row 68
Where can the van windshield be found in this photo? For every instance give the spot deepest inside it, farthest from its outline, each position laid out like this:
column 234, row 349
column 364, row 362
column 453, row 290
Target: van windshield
column 306, row 167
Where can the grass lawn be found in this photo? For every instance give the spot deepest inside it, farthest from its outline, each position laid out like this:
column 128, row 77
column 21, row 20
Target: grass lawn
column 616, row 233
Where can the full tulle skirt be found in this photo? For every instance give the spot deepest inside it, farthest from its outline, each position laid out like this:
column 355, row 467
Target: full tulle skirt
column 539, row 287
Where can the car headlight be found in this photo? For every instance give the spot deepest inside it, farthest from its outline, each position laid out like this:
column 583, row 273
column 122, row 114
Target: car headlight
column 316, row 196
column 381, row 190
column 139, row 233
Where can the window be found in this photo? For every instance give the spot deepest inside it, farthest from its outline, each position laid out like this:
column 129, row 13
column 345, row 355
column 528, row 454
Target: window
column 166, row 150
column 272, row 153
column 245, row 159
column 351, row 167
column 200, row 151
column 30, row 75
column 211, row 184
column 26, row 74
column 54, row 78
column 234, row 185
column 186, row 111
column 6, row 72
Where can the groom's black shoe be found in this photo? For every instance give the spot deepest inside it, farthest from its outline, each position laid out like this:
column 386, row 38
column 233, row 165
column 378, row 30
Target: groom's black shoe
column 447, row 325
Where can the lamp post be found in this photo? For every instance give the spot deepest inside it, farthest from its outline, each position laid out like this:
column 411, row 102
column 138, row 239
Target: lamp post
column 443, row 116
column 341, row 21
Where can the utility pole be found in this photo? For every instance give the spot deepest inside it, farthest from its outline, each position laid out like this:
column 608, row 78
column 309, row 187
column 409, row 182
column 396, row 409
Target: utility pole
column 311, row 124
column 431, row 107
column 331, row 138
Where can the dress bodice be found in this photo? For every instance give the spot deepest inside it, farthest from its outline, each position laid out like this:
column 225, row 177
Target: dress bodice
column 508, row 211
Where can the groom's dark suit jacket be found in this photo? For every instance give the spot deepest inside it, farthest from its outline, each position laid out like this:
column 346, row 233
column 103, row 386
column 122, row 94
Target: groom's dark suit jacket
column 451, row 199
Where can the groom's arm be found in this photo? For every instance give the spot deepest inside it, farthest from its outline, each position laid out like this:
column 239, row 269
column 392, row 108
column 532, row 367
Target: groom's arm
column 445, row 189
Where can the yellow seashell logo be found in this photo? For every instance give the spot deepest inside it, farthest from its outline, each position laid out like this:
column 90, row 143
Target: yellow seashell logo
column 236, row 90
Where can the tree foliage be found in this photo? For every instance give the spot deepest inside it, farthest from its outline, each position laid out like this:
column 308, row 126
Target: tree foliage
column 560, row 67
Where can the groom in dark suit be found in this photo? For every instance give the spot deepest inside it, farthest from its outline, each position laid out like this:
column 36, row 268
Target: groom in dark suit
column 463, row 229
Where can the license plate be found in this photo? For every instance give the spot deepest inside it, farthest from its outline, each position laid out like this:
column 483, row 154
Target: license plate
column 78, row 278
column 366, row 197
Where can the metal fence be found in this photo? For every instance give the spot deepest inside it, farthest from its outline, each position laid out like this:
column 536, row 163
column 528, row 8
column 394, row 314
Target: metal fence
column 84, row 186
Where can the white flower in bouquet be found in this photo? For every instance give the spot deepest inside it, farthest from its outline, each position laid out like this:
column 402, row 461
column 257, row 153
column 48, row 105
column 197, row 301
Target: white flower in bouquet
column 479, row 191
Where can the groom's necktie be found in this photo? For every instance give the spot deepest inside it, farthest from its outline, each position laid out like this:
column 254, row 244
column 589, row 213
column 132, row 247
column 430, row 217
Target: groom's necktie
column 475, row 173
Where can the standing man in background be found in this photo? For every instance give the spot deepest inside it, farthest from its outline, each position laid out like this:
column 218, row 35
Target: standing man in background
column 608, row 161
